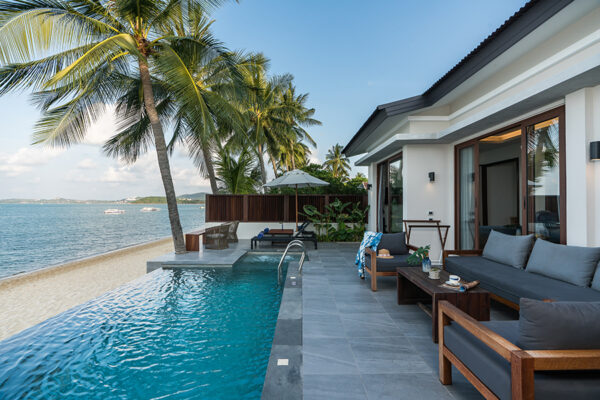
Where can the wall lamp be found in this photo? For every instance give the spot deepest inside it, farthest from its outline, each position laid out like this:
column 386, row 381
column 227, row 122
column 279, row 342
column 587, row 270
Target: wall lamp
column 595, row 151
column 432, row 177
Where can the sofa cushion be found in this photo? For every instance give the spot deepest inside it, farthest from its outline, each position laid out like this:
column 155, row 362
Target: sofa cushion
column 394, row 242
column 596, row 279
column 513, row 284
column 494, row 371
column 389, row 265
column 559, row 325
column 571, row 264
column 508, row 249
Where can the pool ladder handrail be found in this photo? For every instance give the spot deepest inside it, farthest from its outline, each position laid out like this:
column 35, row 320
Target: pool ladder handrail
column 289, row 246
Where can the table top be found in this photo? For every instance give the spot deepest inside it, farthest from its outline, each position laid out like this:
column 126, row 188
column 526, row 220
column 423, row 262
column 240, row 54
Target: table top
column 430, row 286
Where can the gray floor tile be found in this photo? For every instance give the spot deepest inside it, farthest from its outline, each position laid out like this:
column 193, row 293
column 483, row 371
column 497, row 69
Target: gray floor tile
column 333, row 387
column 322, row 325
column 404, row 386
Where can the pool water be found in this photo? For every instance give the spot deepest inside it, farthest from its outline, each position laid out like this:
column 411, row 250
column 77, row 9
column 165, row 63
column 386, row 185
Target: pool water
column 172, row 334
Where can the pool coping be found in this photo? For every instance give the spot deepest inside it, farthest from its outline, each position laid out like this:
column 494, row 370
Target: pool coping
column 283, row 379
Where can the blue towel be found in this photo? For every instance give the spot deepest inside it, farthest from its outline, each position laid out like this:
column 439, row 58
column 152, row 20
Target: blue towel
column 266, row 230
column 260, row 235
column 370, row 239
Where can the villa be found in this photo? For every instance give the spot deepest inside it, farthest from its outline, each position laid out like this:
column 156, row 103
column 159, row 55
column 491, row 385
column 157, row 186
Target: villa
column 505, row 140
column 496, row 167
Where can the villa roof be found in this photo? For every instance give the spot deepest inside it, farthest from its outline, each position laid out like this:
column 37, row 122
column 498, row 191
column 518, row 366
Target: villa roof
column 520, row 24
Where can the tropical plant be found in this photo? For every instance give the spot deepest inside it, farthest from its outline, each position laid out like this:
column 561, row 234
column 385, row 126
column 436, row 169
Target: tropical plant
column 417, row 257
column 337, row 162
column 237, row 173
column 78, row 56
column 340, row 222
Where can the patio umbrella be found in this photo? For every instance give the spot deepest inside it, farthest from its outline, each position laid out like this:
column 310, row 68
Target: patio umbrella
column 297, row 179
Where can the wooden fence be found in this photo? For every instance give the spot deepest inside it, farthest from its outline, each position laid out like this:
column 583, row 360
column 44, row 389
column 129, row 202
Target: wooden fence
column 269, row 207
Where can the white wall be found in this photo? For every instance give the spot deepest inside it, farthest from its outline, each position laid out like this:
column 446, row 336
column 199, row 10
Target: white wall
column 582, row 115
column 422, row 196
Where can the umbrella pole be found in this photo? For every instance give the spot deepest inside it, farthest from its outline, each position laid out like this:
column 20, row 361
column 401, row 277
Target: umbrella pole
column 296, row 208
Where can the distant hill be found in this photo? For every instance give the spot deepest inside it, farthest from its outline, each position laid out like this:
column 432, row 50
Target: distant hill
column 196, row 198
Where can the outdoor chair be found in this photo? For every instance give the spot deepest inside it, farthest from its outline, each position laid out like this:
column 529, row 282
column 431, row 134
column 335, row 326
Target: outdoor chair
column 397, row 246
column 232, row 233
column 551, row 352
column 302, row 234
column 216, row 237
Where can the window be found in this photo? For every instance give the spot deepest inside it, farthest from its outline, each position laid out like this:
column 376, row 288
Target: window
column 389, row 195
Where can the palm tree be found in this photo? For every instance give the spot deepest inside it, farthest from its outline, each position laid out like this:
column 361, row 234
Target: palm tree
column 78, row 56
column 337, row 162
column 237, row 172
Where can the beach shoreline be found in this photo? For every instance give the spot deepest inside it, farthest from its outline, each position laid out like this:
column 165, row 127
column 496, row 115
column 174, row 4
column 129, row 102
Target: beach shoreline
column 32, row 297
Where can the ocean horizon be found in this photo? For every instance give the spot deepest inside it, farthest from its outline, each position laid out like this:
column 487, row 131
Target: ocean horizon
column 35, row 236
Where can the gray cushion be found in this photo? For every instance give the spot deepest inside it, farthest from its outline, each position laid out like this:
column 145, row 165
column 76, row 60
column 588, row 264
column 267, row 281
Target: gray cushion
column 596, row 279
column 508, row 249
column 494, row 371
column 571, row 264
column 513, row 284
column 559, row 326
column 394, row 242
column 389, row 265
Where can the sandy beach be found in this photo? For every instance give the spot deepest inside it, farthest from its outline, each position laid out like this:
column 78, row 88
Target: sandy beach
column 31, row 298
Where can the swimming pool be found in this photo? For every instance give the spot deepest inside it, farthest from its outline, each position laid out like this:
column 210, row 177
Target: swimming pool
column 182, row 333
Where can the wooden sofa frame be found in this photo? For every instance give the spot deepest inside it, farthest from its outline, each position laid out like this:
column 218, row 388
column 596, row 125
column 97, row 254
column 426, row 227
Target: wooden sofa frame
column 372, row 268
column 523, row 363
column 472, row 253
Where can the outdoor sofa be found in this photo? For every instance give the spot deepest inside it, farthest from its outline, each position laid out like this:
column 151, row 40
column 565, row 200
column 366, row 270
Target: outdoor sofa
column 302, row 234
column 513, row 267
column 551, row 352
column 397, row 246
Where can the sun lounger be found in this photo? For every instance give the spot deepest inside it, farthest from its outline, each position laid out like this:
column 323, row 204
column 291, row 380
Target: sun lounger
column 302, row 234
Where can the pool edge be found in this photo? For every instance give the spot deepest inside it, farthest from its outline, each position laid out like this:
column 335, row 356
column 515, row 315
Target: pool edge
column 283, row 379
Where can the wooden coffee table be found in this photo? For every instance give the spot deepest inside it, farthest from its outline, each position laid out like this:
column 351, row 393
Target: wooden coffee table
column 414, row 286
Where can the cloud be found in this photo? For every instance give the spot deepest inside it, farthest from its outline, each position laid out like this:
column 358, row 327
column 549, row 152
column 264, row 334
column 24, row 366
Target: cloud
column 118, row 175
column 26, row 158
column 314, row 156
column 103, row 129
column 87, row 163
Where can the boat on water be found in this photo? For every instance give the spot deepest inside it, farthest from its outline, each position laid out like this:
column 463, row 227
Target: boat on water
column 149, row 209
column 114, row 211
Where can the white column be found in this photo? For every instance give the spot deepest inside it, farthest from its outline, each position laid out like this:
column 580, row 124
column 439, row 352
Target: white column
column 583, row 188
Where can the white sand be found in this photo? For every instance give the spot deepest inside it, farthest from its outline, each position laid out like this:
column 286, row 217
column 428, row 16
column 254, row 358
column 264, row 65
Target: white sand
column 31, row 298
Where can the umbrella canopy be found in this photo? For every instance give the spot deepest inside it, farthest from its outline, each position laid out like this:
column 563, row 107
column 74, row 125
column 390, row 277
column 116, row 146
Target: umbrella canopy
column 297, row 179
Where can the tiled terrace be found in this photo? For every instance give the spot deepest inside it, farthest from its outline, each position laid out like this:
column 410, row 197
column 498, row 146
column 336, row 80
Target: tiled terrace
column 359, row 344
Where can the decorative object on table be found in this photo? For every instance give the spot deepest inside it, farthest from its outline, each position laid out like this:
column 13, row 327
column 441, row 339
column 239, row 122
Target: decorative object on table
column 421, row 256
column 370, row 239
column 434, row 272
column 384, row 253
column 462, row 287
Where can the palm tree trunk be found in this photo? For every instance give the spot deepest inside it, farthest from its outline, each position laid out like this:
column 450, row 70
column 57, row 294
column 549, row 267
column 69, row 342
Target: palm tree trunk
column 261, row 163
column 274, row 164
column 210, row 169
column 163, row 158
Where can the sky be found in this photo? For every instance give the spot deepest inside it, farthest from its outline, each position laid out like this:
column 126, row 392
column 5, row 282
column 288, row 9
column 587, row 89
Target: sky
column 349, row 55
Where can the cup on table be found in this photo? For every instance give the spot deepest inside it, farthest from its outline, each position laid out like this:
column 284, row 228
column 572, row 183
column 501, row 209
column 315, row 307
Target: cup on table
column 454, row 279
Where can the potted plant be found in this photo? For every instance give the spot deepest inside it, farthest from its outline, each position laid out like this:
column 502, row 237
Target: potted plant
column 434, row 272
column 421, row 256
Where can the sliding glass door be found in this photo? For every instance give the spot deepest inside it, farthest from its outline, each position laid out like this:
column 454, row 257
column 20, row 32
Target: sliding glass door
column 512, row 181
column 466, row 196
column 389, row 195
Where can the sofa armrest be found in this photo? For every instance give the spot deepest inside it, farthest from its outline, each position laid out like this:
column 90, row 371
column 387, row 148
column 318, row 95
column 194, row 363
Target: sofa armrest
column 557, row 360
column 448, row 312
column 411, row 247
column 370, row 251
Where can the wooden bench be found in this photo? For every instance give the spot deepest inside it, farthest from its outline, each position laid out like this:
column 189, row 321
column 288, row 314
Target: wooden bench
column 213, row 237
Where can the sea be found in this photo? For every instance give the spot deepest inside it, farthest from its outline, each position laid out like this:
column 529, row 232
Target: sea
column 34, row 236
